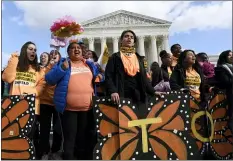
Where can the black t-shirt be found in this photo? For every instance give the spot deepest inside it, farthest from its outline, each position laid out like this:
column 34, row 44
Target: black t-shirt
column 132, row 87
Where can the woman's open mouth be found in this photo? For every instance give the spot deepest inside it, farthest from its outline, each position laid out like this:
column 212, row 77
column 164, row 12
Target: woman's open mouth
column 32, row 57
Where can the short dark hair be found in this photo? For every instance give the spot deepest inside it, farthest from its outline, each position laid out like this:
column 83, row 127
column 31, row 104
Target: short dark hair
column 163, row 53
column 201, row 53
column 69, row 46
column 56, row 51
column 23, row 64
column 223, row 57
column 134, row 35
column 202, row 57
column 173, row 46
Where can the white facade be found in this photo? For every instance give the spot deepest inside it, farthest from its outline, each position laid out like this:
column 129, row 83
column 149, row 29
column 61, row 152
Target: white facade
column 213, row 59
column 152, row 33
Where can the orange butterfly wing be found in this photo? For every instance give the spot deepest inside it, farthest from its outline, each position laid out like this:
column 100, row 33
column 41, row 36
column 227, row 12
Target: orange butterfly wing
column 17, row 120
column 113, row 133
column 170, row 139
column 222, row 142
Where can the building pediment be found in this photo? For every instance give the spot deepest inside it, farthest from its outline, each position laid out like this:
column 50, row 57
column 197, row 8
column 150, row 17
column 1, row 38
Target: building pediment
column 123, row 18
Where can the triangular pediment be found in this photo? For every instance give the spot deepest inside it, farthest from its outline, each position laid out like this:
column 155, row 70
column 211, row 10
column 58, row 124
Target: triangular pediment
column 122, row 18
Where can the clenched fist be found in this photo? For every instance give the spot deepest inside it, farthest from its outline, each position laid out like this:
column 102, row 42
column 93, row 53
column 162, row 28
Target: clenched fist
column 65, row 65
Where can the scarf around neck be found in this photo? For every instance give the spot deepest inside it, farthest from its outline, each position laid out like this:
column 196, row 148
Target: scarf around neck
column 129, row 60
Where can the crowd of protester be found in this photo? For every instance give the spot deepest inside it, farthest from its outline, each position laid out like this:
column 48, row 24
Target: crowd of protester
column 64, row 88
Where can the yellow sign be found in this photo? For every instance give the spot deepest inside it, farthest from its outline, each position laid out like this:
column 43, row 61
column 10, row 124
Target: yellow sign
column 105, row 55
column 143, row 123
column 26, row 76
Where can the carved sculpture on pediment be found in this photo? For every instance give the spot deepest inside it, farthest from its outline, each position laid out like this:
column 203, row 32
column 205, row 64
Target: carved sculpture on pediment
column 121, row 19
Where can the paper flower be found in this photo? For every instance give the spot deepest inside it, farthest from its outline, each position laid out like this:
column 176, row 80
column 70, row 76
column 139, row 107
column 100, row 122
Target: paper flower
column 58, row 42
column 66, row 27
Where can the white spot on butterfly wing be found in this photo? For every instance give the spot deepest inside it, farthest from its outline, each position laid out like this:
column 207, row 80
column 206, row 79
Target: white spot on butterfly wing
column 175, row 131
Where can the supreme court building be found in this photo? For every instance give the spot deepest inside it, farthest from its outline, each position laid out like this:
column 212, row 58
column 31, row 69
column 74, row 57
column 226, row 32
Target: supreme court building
column 152, row 33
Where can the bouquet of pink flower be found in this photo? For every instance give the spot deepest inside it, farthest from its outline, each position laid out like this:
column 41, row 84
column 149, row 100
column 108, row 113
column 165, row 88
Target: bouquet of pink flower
column 66, row 27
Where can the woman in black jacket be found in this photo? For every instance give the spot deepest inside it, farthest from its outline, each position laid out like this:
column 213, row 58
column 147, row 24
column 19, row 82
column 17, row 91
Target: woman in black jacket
column 188, row 75
column 224, row 76
column 166, row 66
column 125, row 75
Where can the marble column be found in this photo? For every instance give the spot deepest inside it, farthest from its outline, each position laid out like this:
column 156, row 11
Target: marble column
column 91, row 43
column 115, row 44
column 159, row 50
column 141, row 47
column 103, row 42
column 166, row 44
column 153, row 55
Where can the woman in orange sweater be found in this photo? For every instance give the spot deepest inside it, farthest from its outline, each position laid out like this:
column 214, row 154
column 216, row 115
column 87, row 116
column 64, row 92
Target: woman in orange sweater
column 47, row 111
column 74, row 78
column 24, row 74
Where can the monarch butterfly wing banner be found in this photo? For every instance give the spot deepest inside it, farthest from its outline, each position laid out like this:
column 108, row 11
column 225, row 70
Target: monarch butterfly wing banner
column 199, row 128
column 17, row 120
column 159, row 130
column 103, row 59
column 221, row 139
column 107, row 122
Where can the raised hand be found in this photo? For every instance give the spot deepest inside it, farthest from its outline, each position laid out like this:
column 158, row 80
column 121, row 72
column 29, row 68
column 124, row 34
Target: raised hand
column 65, row 65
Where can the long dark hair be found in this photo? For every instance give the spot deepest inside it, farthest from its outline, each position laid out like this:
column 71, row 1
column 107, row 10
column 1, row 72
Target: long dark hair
column 156, row 74
column 183, row 54
column 94, row 55
column 23, row 64
column 223, row 57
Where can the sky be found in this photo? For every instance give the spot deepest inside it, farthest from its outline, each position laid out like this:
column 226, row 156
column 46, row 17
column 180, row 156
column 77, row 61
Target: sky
column 201, row 26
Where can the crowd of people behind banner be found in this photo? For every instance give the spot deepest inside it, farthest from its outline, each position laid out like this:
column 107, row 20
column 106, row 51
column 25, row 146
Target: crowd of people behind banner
column 64, row 88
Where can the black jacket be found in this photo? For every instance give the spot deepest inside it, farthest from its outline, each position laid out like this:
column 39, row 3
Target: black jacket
column 165, row 73
column 177, row 81
column 225, row 81
column 114, row 76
